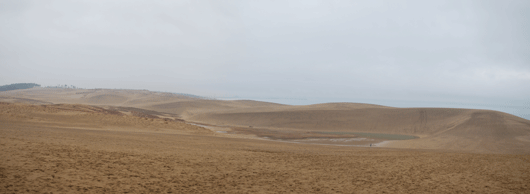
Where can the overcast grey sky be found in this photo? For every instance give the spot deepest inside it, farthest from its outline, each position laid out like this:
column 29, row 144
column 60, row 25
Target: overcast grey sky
column 386, row 50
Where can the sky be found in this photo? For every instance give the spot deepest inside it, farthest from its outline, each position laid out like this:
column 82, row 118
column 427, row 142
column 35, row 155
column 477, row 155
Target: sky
column 413, row 53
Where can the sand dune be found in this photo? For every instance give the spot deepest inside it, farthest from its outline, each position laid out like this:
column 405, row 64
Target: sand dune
column 95, row 96
column 482, row 131
column 456, row 129
column 73, row 148
column 107, row 99
column 93, row 118
column 109, row 141
column 163, row 102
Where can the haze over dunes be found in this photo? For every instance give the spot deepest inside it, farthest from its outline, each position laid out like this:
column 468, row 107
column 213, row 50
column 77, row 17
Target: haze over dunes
column 483, row 131
column 289, row 96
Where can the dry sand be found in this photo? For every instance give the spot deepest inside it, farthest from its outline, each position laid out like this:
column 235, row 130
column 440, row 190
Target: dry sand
column 477, row 131
column 120, row 146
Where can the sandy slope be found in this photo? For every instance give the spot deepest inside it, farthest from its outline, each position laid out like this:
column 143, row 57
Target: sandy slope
column 470, row 130
column 92, row 118
column 81, row 148
column 455, row 129
column 163, row 102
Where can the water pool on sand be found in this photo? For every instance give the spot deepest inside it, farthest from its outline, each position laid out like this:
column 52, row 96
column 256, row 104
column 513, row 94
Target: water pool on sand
column 374, row 135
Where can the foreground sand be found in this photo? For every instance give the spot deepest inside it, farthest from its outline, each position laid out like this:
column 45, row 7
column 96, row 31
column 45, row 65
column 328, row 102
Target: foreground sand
column 61, row 149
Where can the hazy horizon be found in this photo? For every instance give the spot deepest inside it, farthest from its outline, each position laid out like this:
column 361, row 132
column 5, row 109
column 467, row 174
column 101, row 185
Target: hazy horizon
column 394, row 53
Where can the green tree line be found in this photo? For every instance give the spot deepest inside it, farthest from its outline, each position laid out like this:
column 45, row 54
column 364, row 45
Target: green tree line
column 18, row 86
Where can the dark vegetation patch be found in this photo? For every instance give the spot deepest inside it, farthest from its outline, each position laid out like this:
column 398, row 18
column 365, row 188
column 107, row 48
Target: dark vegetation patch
column 18, row 86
